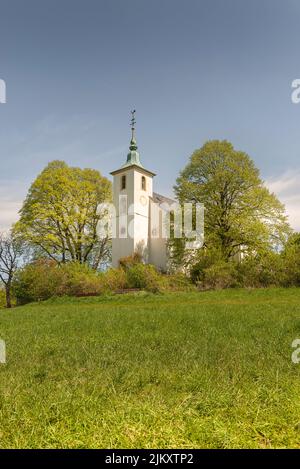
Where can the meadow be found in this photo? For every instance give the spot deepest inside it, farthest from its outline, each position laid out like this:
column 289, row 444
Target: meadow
column 172, row 370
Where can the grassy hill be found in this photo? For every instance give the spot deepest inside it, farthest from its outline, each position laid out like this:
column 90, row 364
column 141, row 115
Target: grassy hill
column 182, row 370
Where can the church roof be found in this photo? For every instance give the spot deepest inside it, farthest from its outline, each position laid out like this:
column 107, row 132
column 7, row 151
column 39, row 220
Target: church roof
column 135, row 166
column 161, row 199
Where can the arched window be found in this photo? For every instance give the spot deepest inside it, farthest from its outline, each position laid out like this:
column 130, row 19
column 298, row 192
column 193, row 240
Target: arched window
column 123, row 182
column 143, row 183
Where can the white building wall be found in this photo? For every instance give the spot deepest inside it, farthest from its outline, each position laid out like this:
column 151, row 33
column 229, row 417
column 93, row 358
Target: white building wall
column 137, row 226
column 157, row 241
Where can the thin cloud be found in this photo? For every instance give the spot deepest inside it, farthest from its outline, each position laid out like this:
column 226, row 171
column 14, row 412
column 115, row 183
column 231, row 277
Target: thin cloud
column 287, row 188
column 12, row 194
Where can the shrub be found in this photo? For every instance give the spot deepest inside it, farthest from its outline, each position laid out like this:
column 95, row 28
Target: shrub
column 2, row 299
column 37, row 281
column 178, row 282
column 218, row 276
column 262, row 270
column 114, row 279
column 144, row 277
column 44, row 279
column 291, row 262
column 272, row 270
column 206, row 259
column 79, row 280
column 130, row 261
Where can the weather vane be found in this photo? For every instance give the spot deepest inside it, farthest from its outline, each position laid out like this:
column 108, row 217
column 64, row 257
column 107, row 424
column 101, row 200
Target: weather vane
column 133, row 118
column 133, row 121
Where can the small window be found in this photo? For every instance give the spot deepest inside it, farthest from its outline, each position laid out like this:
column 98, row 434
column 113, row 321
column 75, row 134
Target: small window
column 143, row 183
column 123, row 182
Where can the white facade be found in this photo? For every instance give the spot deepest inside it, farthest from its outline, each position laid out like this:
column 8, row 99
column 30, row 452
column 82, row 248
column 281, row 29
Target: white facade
column 138, row 218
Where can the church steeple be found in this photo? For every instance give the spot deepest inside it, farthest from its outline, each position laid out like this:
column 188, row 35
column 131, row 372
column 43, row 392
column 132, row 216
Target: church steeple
column 133, row 157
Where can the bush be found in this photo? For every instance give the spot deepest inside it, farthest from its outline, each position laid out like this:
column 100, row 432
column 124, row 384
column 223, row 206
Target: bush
column 263, row 270
column 2, row 299
column 37, row 281
column 130, row 261
column 206, row 259
column 291, row 262
column 113, row 279
column 218, row 276
column 178, row 282
column 44, row 279
column 79, row 280
column 144, row 277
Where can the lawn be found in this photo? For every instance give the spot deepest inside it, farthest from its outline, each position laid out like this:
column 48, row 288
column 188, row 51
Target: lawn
column 182, row 370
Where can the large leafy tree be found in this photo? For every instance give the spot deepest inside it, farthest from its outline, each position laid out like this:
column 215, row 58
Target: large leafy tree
column 240, row 212
column 60, row 214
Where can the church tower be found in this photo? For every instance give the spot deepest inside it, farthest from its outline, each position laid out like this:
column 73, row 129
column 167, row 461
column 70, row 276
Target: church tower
column 132, row 194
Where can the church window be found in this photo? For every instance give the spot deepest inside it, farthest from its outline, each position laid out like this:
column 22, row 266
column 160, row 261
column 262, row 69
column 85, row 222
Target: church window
column 123, row 182
column 143, row 183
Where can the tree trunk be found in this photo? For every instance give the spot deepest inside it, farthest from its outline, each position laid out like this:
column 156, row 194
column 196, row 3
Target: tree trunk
column 8, row 296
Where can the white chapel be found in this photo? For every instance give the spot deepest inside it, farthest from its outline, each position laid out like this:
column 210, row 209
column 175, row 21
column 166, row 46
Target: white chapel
column 138, row 212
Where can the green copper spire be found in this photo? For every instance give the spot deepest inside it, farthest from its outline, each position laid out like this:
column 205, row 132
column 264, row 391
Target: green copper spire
column 133, row 157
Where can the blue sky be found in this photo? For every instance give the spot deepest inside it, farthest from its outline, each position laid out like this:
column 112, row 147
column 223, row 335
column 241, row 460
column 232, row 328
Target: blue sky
column 194, row 70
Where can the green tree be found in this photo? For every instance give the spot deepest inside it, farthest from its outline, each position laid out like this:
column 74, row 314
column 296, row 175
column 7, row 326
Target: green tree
column 60, row 214
column 11, row 255
column 291, row 258
column 240, row 212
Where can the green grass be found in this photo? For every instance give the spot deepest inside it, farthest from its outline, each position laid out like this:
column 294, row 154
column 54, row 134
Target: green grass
column 209, row 370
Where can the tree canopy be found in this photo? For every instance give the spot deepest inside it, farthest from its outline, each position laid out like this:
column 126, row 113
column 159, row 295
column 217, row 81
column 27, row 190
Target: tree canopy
column 60, row 214
column 240, row 212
